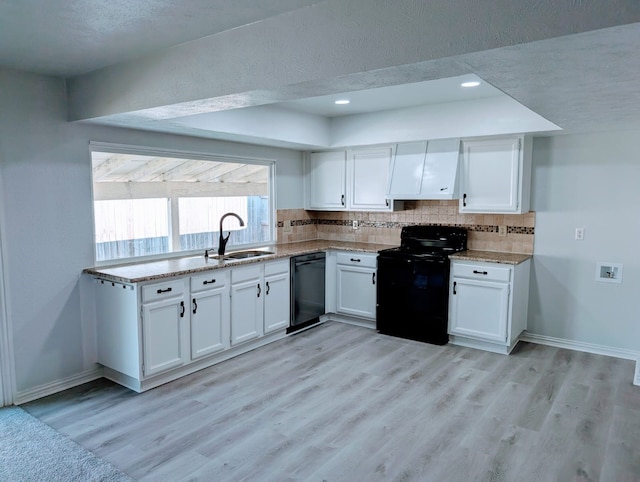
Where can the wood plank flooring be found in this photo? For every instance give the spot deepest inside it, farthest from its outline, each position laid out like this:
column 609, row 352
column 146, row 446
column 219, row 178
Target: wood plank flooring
column 340, row 402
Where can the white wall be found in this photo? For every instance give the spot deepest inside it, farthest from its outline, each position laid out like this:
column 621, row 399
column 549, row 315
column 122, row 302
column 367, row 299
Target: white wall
column 588, row 181
column 47, row 231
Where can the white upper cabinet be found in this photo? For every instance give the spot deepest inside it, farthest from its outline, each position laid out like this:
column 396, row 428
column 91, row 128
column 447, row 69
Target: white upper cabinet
column 327, row 181
column 353, row 180
column 425, row 170
column 367, row 172
column 495, row 175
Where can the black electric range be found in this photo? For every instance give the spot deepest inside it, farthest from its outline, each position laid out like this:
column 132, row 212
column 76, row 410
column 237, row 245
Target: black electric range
column 413, row 283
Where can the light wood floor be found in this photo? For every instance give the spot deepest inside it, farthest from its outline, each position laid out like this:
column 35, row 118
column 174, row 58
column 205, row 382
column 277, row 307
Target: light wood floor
column 340, row 402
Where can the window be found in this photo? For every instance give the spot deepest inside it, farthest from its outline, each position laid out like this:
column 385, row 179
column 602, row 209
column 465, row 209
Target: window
column 151, row 203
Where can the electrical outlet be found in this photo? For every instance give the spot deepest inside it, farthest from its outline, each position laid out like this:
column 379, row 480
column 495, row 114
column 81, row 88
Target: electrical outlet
column 502, row 230
column 579, row 234
column 354, row 223
column 287, row 228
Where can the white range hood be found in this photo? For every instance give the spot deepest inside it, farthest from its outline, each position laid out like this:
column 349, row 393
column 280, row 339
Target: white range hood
column 425, row 170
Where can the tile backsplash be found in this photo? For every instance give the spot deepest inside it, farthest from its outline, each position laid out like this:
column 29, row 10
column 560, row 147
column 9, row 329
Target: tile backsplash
column 511, row 233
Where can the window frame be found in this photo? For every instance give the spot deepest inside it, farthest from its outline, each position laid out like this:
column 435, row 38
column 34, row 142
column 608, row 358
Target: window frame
column 96, row 146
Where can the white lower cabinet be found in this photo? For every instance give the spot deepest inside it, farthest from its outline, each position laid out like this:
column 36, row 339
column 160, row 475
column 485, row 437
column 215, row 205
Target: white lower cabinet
column 165, row 331
column 151, row 333
column 259, row 300
column 246, row 303
column 488, row 304
column 356, row 284
column 277, row 289
column 210, row 313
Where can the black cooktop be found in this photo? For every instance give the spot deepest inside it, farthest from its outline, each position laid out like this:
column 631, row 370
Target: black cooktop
column 426, row 241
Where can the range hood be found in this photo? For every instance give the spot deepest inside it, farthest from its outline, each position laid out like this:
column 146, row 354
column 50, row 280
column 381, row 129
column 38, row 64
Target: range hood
column 425, row 170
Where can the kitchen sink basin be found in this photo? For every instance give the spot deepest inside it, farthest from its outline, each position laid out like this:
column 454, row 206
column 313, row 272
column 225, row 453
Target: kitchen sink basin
column 246, row 254
column 239, row 255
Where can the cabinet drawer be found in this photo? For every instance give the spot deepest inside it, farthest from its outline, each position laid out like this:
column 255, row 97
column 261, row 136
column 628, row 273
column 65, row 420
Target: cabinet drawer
column 357, row 259
column 246, row 273
column 160, row 291
column 212, row 279
column 482, row 271
column 276, row 267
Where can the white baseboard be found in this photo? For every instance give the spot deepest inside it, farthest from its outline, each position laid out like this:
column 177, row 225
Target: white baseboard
column 588, row 348
column 58, row 386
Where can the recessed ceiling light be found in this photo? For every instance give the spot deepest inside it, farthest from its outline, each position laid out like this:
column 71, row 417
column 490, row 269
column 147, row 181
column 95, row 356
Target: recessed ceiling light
column 342, row 102
column 470, row 84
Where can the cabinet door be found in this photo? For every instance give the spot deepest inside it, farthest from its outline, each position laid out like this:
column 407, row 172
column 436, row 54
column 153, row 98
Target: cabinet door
column 276, row 302
column 246, row 310
column 356, row 291
column 164, row 335
column 407, row 170
column 489, row 175
column 367, row 176
column 209, row 322
column 327, row 186
column 479, row 309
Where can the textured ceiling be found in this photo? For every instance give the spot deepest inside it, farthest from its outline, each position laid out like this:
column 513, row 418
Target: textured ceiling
column 152, row 61
column 71, row 37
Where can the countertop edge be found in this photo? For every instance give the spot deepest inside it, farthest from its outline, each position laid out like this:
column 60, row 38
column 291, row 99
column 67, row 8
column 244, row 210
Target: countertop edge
column 497, row 257
column 287, row 250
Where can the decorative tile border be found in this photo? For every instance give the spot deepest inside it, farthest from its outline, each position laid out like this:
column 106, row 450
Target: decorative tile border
column 480, row 228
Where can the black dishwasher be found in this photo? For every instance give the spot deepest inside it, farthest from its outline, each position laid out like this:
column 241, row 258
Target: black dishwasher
column 307, row 290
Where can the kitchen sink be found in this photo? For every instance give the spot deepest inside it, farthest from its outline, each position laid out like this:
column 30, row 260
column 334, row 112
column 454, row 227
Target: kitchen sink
column 240, row 255
column 246, row 254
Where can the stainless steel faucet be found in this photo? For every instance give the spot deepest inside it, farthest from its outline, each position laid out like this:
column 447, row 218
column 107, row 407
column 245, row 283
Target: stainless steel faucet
column 223, row 240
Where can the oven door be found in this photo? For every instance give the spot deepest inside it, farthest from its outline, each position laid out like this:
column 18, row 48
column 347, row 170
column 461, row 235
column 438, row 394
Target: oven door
column 412, row 298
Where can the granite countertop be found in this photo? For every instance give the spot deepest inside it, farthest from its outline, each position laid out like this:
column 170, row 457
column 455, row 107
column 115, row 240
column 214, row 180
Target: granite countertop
column 490, row 257
column 156, row 270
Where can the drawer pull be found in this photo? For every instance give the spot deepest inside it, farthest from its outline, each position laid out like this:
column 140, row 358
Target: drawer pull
column 164, row 291
column 475, row 271
column 209, row 282
column 355, row 260
column 454, row 287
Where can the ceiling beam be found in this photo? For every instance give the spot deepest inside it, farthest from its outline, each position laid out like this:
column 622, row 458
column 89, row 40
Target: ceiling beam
column 321, row 49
